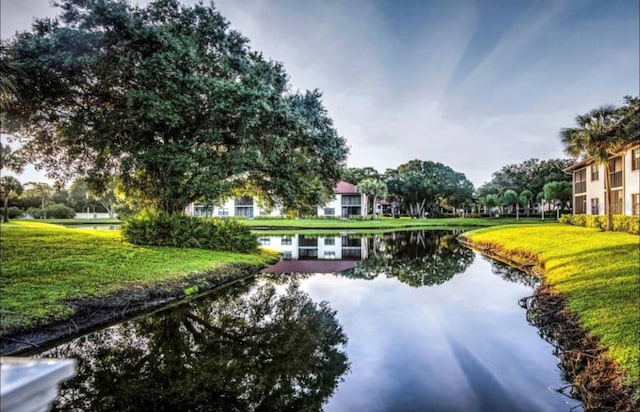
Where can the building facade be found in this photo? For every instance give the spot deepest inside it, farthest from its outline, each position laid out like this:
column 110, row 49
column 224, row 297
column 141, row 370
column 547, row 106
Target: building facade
column 245, row 206
column 589, row 183
column 347, row 202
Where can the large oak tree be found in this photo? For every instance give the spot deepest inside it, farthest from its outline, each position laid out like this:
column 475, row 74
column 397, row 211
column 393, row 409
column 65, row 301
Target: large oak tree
column 172, row 102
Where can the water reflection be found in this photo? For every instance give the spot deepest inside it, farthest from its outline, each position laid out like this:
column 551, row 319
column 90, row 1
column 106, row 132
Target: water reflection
column 512, row 274
column 417, row 258
column 251, row 347
column 273, row 343
column 423, row 258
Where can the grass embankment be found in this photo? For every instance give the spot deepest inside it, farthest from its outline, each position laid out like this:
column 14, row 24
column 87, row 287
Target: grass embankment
column 77, row 221
column 44, row 266
column 596, row 271
column 386, row 223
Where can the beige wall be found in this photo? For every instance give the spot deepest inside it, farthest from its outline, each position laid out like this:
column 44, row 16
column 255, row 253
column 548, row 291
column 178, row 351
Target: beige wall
column 596, row 189
column 632, row 181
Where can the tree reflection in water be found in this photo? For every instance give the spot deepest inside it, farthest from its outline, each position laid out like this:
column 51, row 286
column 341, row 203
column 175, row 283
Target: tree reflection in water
column 512, row 274
column 251, row 347
column 419, row 258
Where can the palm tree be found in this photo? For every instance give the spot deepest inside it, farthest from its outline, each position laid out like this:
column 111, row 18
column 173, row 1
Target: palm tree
column 540, row 199
column 11, row 159
column 9, row 185
column 526, row 197
column 596, row 135
column 491, row 201
column 375, row 188
column 510, row 197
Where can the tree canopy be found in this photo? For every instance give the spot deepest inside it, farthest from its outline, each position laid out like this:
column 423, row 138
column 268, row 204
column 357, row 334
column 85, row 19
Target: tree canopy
column 355, row 175
column 172, row 102
column 420, row 186
column 531, row 174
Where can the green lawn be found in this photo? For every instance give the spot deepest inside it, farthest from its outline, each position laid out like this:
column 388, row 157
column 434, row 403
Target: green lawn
column 76, row 221
column 43, row 265
column 596, row 271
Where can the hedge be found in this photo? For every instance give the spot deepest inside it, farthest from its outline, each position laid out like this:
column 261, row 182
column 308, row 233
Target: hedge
column 621, row 223
column 160, row 229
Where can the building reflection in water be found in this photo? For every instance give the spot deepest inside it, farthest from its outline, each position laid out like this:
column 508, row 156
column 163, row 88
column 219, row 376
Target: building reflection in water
column 317, row 254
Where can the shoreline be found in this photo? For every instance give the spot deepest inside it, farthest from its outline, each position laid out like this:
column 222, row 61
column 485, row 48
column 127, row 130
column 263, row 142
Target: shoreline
column 597, row 379
column 96, row 313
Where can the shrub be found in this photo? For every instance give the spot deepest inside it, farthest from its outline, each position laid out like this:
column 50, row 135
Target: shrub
column 161, row 229
column 55, row 211
column 14, row 212
column 59, row 211
column 621, row 223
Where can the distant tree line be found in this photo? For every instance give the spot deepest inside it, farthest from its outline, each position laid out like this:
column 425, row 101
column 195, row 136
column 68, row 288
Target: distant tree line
column 430, row 189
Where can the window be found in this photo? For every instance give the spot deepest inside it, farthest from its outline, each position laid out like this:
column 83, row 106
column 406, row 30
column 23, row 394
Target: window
column 595, row 206
column 329, row 255
column 285, row 241
column 615, row 171
column 329, row 211
column 635, row 159
column 243, row 201
column 264, row 241
column 635, row 204
column 580, row 181
column 308, row 253
column 223, row 212
column 595, row 175
column 286, row 255
column 351, row 200
column 617, row 202
column 304, row 241
column 329, row 241
column 580, row 205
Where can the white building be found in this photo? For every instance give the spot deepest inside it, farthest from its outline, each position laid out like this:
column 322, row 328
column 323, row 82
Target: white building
column 301, row 247
column 347, row 202
column 245, row 206
column 589, row 193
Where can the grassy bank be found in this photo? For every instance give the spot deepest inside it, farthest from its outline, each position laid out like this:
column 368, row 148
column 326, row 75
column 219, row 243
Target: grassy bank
column 596, row 271
column 384, row 223
column 44, row 265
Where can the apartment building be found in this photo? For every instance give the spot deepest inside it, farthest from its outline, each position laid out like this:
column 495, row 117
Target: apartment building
column 347, row 202
column 589, row 183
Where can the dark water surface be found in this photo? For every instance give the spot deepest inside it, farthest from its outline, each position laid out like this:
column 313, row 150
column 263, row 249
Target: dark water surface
column 413, row 322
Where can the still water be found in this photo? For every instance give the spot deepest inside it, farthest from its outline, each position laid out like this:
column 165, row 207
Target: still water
column 408, row 321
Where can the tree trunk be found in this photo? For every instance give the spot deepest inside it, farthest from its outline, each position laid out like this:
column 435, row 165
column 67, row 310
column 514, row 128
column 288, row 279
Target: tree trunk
column 6, row 209
column 517, row 211
column 542, row 208
column 607, row 177
column 375, row 207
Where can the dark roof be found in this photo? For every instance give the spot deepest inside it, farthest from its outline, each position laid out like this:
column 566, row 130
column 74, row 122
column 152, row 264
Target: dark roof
column 589, row 160
column 344, row 187
column 311, row 266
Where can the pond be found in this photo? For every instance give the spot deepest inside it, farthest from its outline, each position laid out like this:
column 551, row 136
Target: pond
column 408, row 321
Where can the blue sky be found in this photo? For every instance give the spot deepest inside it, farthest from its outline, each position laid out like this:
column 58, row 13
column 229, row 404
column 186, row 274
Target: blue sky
column 472, row 84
